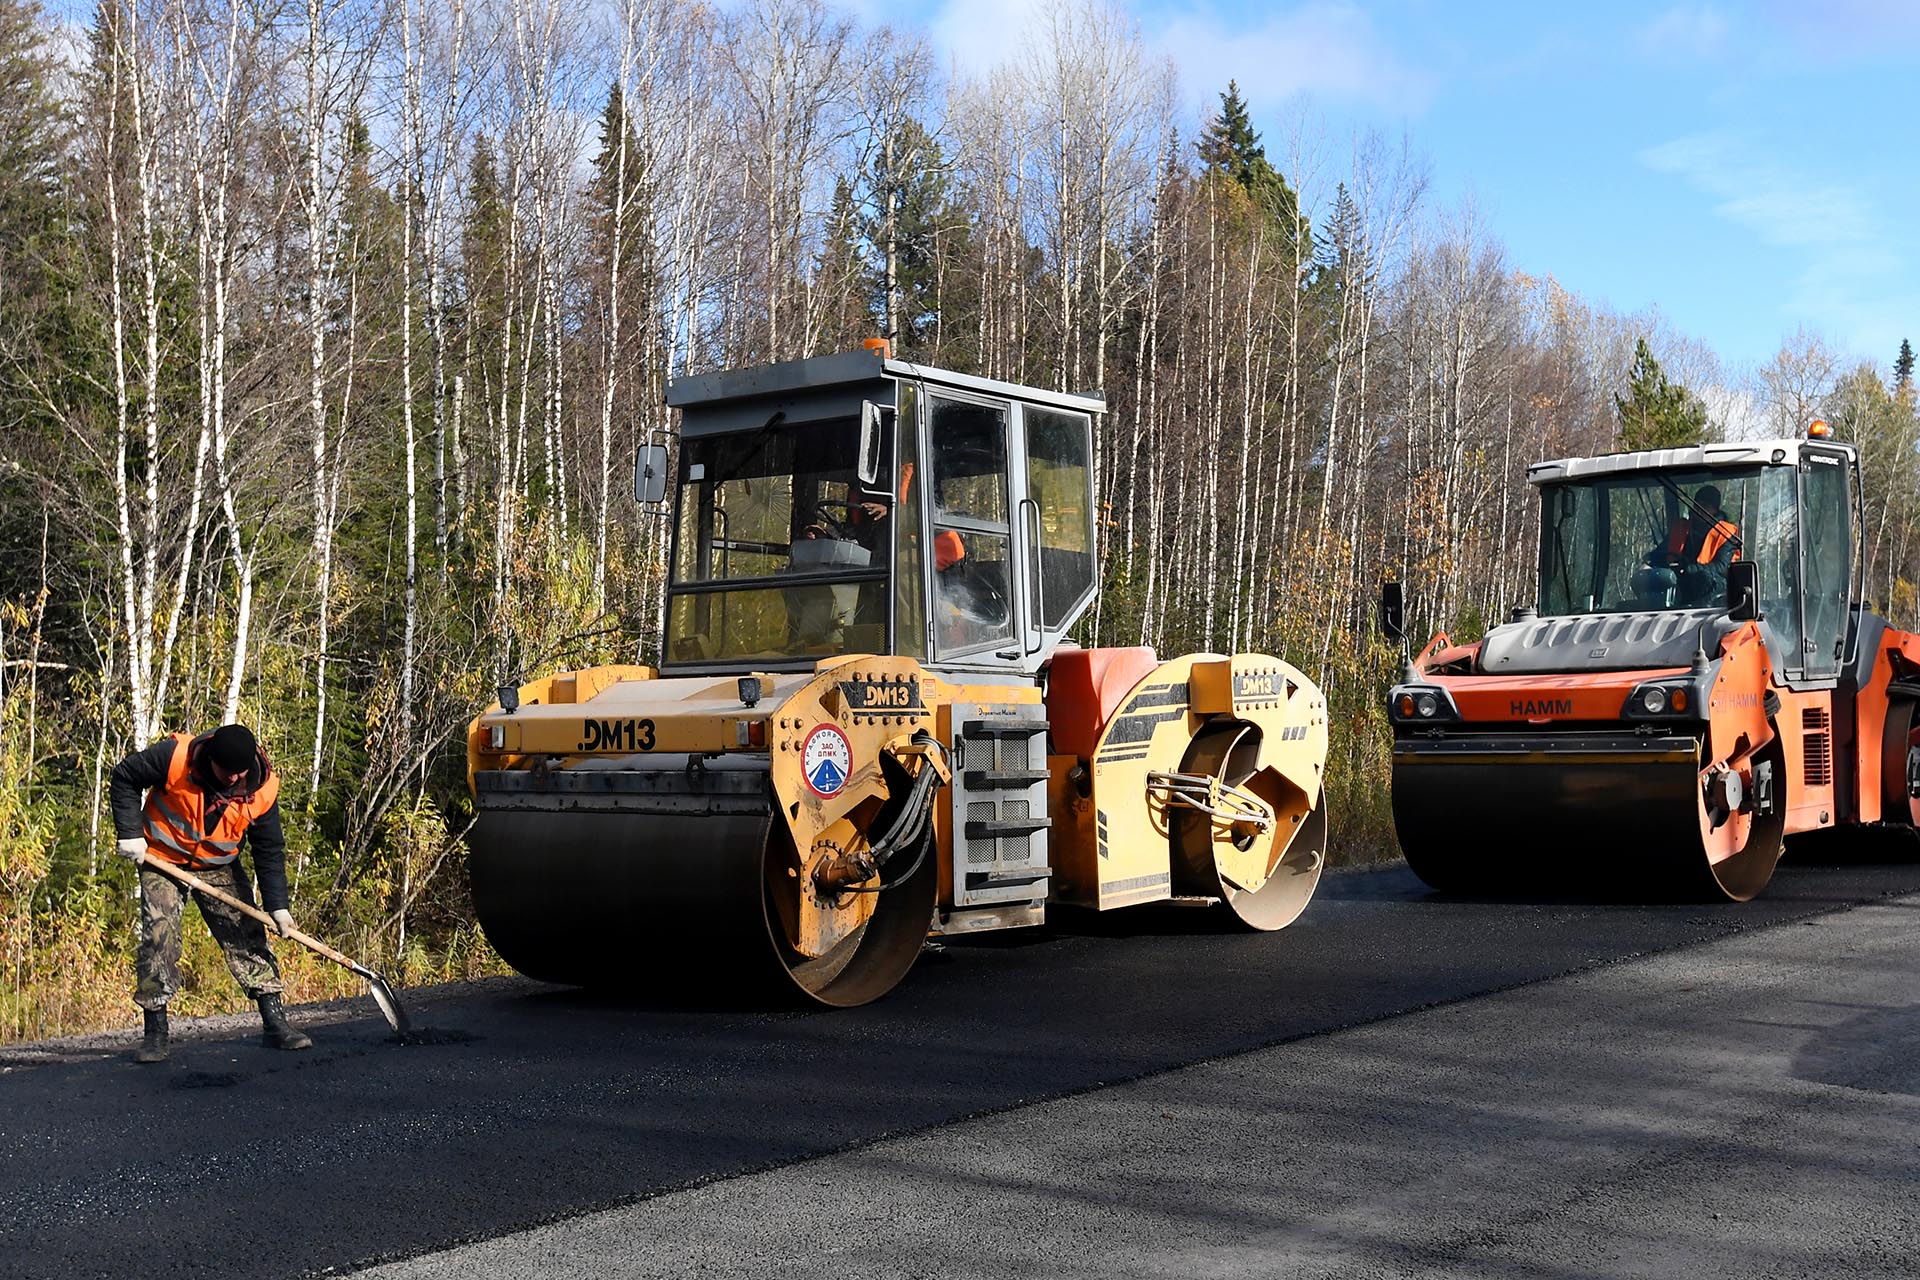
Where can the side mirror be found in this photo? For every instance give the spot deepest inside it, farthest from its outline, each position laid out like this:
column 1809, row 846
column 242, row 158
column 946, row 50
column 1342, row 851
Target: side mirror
column 650, row 474
column 1393, row 612
column 1743, row 591
column 868, row 461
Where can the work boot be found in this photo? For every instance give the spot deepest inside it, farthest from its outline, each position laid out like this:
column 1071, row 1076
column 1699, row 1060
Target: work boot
column 275, row 1031
column 153, row 1044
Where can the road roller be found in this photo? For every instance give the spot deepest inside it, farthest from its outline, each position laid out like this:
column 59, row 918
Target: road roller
column 867, row 726
column 1698, row 681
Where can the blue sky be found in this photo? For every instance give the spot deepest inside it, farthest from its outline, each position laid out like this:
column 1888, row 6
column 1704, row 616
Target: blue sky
column 1747, row 169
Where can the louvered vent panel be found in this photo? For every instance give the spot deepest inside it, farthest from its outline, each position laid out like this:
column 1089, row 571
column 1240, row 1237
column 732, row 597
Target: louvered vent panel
column 1818, row 744
column 999, row 799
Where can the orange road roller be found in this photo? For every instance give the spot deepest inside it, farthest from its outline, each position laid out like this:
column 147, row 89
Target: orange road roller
column 868, row 726
column 1697, row 682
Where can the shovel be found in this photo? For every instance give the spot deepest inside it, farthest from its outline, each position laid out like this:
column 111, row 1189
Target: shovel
column 376, row 985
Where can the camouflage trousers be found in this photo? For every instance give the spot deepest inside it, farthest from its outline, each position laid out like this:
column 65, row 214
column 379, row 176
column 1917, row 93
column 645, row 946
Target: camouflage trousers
column 244, row 940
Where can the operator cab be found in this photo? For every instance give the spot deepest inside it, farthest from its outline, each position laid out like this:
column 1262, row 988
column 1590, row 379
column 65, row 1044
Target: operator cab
column 854, row 503
column 1660, row 535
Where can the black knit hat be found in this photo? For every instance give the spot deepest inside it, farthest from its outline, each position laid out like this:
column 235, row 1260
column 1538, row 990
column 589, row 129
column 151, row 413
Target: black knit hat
column 233, row 749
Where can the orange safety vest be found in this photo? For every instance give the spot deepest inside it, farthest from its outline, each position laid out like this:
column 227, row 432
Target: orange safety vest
column 1710, row 545
column 949, row 549
column 176, row 814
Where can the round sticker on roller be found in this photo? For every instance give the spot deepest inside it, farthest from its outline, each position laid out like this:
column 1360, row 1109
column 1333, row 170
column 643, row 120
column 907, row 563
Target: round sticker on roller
column 826, row 759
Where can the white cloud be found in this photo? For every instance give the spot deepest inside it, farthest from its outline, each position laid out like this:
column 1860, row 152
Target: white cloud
column 1759, row 192
column 1686, row 31
column 1842, row 31
column 1792, row 36
column 1329, row 50
column 1843, row 270
column 978, row 35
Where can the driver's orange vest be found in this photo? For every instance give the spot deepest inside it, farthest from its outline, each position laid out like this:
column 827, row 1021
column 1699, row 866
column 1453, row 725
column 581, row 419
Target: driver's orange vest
column 176, row 815
column 1717, row 537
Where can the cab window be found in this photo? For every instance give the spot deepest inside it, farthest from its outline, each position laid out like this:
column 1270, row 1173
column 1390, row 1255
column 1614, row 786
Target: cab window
column 909, row 563
column 1059, row 480
column 971, row 543
column 1828, row 560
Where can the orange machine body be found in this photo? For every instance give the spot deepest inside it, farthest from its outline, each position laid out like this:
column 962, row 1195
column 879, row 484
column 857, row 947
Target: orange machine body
column 1677, row 744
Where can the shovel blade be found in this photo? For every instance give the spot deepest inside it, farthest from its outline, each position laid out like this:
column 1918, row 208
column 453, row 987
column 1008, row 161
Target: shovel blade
column 383, row 996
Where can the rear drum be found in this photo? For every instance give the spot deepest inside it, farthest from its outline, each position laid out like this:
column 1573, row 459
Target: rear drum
column 1213, row 858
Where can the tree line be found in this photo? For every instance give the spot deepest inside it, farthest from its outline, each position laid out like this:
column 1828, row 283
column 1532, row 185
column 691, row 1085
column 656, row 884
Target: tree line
column 330, row 329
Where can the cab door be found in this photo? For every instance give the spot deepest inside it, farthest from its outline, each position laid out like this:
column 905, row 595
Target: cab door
column 1053, row 475
column 975, row 615
column 1826, row 560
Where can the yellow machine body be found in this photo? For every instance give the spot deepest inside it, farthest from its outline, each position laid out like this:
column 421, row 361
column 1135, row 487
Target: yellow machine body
column 775, row 810
column 1133, row 824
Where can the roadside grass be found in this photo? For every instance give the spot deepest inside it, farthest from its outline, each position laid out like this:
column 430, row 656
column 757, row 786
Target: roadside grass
column 69, row 970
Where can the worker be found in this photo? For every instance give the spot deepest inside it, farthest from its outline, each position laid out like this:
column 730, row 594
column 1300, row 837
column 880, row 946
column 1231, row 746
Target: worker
column 949, row 549
column 1690, row 566
column 204, row 796
column 866, row 514
column 867, row 517
column 972, row 604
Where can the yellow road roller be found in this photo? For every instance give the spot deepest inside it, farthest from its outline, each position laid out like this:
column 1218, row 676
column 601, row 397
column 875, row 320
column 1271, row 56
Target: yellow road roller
column 868, row 725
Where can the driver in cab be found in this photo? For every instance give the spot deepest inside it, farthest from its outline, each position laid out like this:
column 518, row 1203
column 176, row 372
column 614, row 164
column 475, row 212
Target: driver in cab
column 839, row 536
column 866, row 513
column 1690, row 566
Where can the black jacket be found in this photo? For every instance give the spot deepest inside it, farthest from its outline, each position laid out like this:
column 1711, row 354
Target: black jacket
column 266, row 839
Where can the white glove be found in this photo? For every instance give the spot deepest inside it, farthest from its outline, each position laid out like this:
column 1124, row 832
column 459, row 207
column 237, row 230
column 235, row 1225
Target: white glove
column 283, row 921
column 131, row 848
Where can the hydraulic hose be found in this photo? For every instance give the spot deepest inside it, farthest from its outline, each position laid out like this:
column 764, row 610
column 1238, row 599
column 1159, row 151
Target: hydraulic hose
column 914, row 825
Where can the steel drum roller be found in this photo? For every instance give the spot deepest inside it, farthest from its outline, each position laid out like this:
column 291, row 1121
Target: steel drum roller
column 1505, row 813
column 594, row 879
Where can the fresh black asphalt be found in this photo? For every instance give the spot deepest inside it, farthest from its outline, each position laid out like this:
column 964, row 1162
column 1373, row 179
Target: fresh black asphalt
column 539, row 1103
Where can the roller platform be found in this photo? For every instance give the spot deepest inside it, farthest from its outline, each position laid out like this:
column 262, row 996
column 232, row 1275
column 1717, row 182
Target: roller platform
column 664, row 880
column 1590, row 815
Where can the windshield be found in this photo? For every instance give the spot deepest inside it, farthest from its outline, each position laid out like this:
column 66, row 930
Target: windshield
column 1654, row 540
column 781, row 512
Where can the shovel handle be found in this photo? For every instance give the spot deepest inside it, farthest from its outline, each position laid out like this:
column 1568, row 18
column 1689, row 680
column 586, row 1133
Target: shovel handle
column 218, row 895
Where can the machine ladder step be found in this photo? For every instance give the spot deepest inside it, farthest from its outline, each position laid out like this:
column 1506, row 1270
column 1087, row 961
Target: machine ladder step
column 1006, row 777
column 1003, row 728
column 1011, row 876
column 998, row 828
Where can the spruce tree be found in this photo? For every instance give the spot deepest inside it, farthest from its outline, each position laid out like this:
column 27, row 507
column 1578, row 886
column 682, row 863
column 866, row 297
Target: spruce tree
column 1232, row 146
column 922, row 206
column 1657, row 413
column 483, row 257
column 843, row 270
column 1339, row 250
column 36, row 257
column 608, row 170
column 1903, row 367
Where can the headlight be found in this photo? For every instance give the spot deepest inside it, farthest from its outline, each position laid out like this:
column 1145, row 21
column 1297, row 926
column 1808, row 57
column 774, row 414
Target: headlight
column 497, row 737
column 1414, row 703
column 1665, row 701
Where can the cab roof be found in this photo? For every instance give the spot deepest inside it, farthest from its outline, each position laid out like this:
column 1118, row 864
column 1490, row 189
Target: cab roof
column 1783, row 452
column 819, row 373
